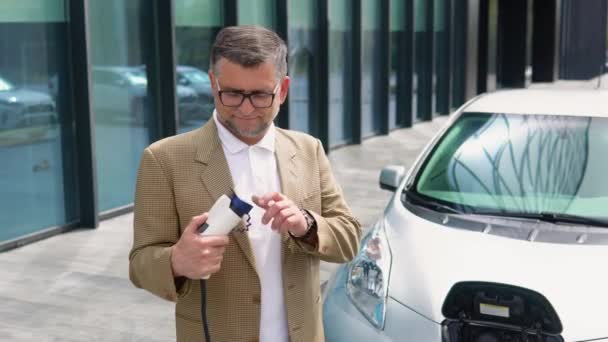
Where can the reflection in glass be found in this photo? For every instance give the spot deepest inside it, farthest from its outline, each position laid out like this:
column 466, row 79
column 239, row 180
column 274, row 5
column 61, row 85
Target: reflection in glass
column 257, row 12
column 521, row 163
column 340, row 79
column 37, row 176
column 301, row 70
column 397, row 28
column 196, row 24
column 120, row 97
column 370, row 59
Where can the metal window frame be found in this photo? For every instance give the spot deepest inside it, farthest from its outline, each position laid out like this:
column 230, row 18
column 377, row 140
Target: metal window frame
column 444, row 79
column 405, row 72
column 160, row 69
column 282, row 22
column 424, row 51
column 79, row 55
column 322, row 67
column 357, row 67
column 385, row 68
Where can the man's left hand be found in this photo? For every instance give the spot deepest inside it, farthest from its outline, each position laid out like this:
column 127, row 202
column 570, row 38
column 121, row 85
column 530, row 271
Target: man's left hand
column 286, row 217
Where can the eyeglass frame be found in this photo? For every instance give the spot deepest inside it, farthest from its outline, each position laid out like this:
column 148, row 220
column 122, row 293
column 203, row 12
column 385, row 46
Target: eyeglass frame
column 247, row 96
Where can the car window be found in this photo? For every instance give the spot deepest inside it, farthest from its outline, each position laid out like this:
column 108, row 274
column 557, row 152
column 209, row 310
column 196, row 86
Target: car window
column 521, row 163
column 197, row 76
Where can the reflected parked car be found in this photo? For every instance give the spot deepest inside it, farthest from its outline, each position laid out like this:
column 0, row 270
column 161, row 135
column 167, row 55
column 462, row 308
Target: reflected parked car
column 198, row 80
column 121, row 89
column 20, row 108
column 498, row 232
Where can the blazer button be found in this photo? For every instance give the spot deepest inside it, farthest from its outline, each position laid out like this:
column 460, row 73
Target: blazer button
column 256, row 299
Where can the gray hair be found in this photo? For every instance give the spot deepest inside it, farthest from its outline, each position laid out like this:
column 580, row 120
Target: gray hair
column 249, row 46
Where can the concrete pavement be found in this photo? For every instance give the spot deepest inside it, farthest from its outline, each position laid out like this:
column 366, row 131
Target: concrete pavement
column 75, row 287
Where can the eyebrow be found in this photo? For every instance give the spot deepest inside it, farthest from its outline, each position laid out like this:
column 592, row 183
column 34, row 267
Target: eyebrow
column 239, row 90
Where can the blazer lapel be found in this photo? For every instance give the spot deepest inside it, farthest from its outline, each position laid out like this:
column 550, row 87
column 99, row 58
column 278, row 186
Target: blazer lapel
column 288, row 173
column 217, row 179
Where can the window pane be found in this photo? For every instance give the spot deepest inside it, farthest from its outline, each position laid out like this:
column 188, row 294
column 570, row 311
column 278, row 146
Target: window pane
column 340, row 77
column 257, row 12
column 120, row 97
column 196, row 24
column 37, row 177
column 371, row 67
column 301, row 69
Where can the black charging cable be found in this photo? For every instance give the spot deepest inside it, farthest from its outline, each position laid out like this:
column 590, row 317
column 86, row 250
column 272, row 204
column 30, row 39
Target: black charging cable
column 241, row 209
column 204, row 310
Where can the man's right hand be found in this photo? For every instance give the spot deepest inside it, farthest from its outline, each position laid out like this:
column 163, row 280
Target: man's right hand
column 195, row 256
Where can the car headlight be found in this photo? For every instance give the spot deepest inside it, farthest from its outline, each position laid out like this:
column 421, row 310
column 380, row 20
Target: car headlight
column 368, row 276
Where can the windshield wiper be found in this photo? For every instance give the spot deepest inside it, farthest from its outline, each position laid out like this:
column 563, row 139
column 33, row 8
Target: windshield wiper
column 429, row 203
column 549, row 217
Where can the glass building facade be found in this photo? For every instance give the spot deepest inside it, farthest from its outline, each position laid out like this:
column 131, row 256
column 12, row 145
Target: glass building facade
column 86, row 85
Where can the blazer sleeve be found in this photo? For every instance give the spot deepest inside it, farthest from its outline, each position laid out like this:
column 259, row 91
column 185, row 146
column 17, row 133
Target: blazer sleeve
column 155, row 230
column 337, row 230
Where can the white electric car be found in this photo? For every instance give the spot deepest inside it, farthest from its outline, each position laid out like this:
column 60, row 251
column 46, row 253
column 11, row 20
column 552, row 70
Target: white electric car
column 498, row 232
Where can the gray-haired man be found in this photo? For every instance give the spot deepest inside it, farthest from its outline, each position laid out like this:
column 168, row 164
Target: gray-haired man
column 264, row 283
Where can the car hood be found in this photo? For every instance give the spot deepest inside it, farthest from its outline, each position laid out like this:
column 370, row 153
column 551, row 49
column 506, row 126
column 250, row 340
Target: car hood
column 429, row 258
column 24, row 96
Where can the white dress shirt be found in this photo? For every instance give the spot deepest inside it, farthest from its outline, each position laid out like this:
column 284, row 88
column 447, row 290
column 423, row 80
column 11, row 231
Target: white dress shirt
column 254, row 172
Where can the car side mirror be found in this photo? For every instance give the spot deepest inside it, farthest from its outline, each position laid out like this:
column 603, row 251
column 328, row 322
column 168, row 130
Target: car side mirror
column 391, row 176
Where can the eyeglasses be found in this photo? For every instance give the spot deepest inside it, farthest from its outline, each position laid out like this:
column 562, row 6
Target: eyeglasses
column 258, row 99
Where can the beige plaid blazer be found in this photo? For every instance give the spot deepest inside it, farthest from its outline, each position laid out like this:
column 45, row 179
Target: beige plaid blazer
column 181, row 177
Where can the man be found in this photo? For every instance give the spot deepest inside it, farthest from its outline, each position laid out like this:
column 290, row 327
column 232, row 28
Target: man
column 264, row 283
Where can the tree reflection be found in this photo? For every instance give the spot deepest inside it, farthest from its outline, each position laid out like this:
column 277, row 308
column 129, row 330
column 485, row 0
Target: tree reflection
column 530, row 163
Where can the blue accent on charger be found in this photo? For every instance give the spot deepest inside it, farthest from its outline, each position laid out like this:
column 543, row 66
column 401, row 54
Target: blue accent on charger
column 239, row 206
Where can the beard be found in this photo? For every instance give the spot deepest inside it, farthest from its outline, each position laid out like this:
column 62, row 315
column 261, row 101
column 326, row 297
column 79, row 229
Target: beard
column 253, row 132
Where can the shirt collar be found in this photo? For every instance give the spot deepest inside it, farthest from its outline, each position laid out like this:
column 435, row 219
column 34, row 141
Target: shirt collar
column 235, row 145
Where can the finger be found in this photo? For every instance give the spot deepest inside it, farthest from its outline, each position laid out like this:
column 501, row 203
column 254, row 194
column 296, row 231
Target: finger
column 213, row 269
column 263, row 200
column 210, row 253
column 259, row 201
column 274, row 209
column 209, row 241
column 280, row 218
column 212, row 260
column 197, row 221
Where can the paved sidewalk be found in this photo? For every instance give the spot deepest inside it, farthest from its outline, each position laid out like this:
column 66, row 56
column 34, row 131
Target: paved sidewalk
column 75, row 287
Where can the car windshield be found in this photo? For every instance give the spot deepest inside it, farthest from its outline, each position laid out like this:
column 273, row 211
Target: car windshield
column 5, row 85
column 514, row 163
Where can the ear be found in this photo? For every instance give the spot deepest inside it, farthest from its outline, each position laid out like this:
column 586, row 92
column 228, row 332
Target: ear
column 284, row 88
column 212, row 80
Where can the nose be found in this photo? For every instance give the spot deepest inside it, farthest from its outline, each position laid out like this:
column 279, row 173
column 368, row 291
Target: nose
column 246, row 107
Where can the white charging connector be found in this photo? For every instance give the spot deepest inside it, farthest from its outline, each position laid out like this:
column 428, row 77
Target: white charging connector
column 224, row 215
column 221, row 219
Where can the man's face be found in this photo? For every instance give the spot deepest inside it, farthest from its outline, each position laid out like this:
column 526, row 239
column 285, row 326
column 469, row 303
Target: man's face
column 247, row 122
